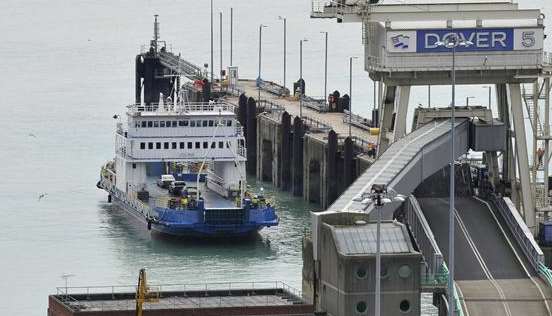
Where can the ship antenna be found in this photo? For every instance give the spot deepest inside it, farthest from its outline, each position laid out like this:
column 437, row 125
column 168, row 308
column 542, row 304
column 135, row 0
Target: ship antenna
column 155, row 32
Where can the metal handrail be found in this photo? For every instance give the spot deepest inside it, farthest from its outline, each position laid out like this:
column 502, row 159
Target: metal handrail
column 317, row 104
column 185, row 287
column 183, row 108
column 519, row 230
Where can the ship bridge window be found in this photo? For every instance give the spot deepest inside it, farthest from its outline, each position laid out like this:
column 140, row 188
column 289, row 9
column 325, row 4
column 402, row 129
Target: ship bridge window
column 205, row 123
column 155, row 123
column 168, row 124
column 197, row 145
column 192, row 123
column 220, row 144
column 213, row 145
column 182, row 145
column 142, row 145
column 136, row 124
column 211, row 123
column 144, row 123
column 205, row 145
column 150, row 124
column 198, row 123
column 182, row 123
column 150, row 145
column 162, row 124
column 190, row 145
column 157, row 145
column 229, row 123
column 174, row 123
column 227, row 144
column 166, row 145
column 173, row 145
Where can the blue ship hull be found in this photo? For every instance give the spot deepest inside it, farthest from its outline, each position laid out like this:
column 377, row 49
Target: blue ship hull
column 234, row 223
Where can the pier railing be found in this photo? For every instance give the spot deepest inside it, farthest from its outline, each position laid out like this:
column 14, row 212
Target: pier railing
column 274, row 88
column 315, row 103
column 356, row 120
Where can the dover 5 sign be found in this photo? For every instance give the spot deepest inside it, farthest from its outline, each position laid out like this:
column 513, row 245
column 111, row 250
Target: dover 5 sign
column 484, row 40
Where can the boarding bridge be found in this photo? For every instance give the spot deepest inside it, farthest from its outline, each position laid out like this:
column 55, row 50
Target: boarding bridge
column 499, row 267
column 180, row 66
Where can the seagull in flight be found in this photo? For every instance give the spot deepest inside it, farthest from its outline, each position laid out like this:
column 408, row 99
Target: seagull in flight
column 32, row 135
column 42, row 195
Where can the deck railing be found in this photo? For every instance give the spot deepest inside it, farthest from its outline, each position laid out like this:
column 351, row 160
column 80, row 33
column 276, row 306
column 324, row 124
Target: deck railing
column 77, row 295
column 182, row 108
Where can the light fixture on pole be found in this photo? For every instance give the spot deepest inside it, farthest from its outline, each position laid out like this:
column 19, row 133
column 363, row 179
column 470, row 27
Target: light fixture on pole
column 380, row 195
column 284, row 19
column 351, row 93
column 301, row 85
column 261, row 26
column 452, row 42
column 325, row 67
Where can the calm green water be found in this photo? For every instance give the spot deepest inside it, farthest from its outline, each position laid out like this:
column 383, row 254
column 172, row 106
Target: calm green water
column 66, row 67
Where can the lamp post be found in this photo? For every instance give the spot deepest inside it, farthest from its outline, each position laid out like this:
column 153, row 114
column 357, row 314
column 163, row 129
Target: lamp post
column 284, row 19
column 301, row 76
column 261, row 26
column 380, row 195
column 451, row 43
column 231, row 36
column 220, row 22
column 212, row 48
column 325, row 68
column 351, row 92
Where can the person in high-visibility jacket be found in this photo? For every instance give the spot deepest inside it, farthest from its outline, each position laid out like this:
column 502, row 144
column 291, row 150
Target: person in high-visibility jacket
column 184, row 202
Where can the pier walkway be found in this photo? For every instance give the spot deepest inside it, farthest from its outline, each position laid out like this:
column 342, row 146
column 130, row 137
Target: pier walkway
column 332, row 119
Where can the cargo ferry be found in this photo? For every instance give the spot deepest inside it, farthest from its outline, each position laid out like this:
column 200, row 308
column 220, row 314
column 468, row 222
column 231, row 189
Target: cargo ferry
column 179, row 166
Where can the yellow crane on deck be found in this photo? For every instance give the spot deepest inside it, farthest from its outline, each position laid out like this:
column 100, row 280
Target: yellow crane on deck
column 144, row 293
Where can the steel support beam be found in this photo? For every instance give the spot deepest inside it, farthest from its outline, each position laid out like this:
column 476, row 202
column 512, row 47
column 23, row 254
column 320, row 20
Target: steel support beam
column 387, row 107
column 516, row 109
column 403, row 95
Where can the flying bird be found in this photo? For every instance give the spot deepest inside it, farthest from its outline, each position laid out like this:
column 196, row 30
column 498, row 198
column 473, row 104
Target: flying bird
column 32, row 135
column 42, row 195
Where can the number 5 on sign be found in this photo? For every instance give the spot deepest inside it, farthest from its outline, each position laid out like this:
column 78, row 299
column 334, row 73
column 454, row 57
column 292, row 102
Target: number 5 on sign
column 528, row 39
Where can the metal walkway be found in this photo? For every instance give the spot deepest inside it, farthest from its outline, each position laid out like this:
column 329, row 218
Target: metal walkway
column 180, row 66
column 405, row 164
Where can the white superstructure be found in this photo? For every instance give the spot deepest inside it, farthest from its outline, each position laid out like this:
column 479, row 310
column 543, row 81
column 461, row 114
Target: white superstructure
column 183, row 133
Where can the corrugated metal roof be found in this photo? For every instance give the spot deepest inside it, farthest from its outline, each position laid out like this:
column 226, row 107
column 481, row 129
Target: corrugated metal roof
column 361, row 239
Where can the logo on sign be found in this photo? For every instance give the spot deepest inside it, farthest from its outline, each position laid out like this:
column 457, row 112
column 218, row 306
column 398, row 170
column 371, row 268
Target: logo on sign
column 401, row 41
column 481, row 39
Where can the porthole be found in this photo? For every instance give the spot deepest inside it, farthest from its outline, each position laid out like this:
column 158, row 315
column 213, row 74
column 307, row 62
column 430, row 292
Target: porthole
column 361, row 307
column 404, row 306
column 361, row 273
column 405, row 272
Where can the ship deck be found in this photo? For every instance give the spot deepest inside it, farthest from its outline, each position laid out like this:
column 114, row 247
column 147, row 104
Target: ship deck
column 159, row 197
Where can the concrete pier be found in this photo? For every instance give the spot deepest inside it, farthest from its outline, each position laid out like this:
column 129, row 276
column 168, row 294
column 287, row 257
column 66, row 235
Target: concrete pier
column 311, row 156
